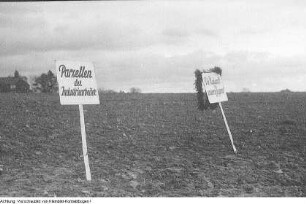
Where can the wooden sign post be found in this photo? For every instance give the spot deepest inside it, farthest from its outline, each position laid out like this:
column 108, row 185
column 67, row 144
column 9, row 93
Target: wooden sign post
column 77, row 86
column 84, row 143
column 228, row 129
column 216, row 94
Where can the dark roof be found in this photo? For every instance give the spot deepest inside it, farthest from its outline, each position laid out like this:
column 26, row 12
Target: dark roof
column 9, row 80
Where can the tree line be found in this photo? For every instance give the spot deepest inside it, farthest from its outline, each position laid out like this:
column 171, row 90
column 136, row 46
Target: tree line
column 47, row 83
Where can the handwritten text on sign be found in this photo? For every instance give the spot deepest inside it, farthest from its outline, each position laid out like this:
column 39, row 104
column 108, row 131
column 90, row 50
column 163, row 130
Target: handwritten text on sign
column 214, row 87
column 77, row 83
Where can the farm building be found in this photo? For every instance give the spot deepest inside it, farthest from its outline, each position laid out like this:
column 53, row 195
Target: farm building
column 13, row 84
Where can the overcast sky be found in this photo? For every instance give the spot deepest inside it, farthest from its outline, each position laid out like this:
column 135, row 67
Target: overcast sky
column 157, row 45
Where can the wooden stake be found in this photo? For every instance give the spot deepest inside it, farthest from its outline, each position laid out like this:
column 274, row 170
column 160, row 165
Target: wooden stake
column 84, row 144
column 228, row 130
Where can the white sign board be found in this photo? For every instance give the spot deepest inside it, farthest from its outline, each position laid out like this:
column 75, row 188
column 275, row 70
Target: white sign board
column 214, row 87
column 77, row 83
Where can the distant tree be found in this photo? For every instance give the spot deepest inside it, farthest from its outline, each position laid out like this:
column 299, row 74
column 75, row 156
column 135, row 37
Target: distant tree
column 46, row 83
column 246, row 90
column 22, row 84
column 16, row 74
column 286, row 91
column 103, row 91
column 135, row 90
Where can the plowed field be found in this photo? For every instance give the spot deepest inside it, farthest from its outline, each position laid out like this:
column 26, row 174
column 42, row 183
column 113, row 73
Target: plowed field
column 153, row 145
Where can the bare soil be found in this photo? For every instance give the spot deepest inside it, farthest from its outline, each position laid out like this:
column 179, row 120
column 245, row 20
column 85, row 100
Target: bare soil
column 152, row 145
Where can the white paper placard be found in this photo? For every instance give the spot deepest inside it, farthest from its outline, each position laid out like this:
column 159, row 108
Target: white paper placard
column 214, row 87
column 77, row 83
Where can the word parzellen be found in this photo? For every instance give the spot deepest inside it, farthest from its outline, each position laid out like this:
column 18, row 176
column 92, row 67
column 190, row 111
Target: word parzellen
column 74, row 73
